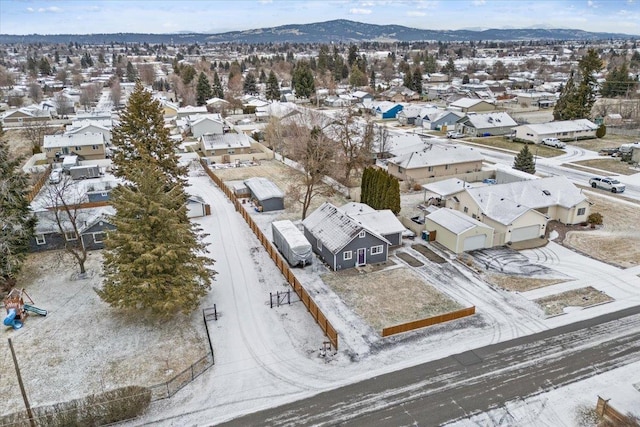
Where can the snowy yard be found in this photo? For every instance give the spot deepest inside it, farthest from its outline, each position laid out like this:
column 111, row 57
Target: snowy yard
column 570, row 300
column 83, row 346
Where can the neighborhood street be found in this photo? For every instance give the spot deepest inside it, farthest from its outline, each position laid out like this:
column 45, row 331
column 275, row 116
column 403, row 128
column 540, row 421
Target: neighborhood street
column 463, row 384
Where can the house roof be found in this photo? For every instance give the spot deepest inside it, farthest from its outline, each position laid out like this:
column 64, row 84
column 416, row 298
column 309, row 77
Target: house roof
column 196, row 119
column 263, row 189
column 85, row 218
column 334, row 228
column 447, row 187
column 454, row 221
column 227, row 140
column 489, row 120
column 562, row 126
column 467, row 102
column 435, row 155
column 382, row 222
column 73, row 140
column 505, row 202
column 355, row 208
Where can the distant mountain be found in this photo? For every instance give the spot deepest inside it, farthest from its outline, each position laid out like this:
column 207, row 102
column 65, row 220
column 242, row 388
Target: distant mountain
column 340, row 30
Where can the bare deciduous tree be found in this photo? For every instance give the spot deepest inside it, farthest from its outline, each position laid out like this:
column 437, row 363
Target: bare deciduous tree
column 147, row 73
column 116, row 92
column 64, row 200
column 64, row 105
column 354, row 137
column 35, row 130
column 314, row 152
column 35, row 92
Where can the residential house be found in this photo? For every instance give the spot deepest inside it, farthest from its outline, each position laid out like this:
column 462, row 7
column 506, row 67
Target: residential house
column 92, row 225
column 362, row 96
column 190, row 110
column 399, row 94
column 386, row 109
column 440, row 91
column 486, row 124
column 265, row 194
column 87, row 146
column 458, row 232
column 91, row 126
column 206, row 124
column 26, row 115
column 225, row 144
column 342, row 242
column 383, row 222
column 435, row 161
column 566, row 130
column 439, row 119
column 520, row 211
column 472, row 105
column 536, row 99
column 169, row 109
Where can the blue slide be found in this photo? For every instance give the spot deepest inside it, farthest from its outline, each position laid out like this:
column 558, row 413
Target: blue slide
column 35, row 310
column 11, row 320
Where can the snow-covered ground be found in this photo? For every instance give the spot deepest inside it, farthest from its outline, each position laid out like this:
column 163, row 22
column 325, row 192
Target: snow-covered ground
column 267, row 357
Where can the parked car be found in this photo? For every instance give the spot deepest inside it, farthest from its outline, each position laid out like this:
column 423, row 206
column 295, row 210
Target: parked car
column 609, row 184
column 55, row 177
column 454, row 134
column 553, row 142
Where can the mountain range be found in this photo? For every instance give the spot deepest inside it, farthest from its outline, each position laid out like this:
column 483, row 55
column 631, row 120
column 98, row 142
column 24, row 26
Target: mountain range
column 336, row 31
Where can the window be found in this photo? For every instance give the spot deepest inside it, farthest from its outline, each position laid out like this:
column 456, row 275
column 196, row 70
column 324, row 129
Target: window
column 70, row 235
column 466, row 209
column 347, row 255
column 375, row 250
column 78, row 148
column 231, row 151
column 362, row 234
column 430, row 169
column 581, row 211
column 98, row 237
column 40, row 239
column 446, row 167
column 319, row 244
column 95, row 147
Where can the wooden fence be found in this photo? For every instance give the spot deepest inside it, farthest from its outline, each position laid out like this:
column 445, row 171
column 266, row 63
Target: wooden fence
column 606, row 411
column 39, row 184
column 417, row 324
column 282, row 265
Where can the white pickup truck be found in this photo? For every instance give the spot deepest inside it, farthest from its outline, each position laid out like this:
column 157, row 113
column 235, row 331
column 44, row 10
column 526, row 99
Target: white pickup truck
column 609, row 184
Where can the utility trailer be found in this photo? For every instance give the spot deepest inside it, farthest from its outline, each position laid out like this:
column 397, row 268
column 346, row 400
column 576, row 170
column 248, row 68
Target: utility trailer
column 291, row 243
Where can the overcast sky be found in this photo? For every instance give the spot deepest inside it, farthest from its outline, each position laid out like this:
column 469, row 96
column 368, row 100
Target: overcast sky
column 108, row 16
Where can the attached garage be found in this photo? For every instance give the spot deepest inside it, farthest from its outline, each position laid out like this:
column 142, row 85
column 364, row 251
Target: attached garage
column 525, row 233
column 457, row 231
column 472, row 243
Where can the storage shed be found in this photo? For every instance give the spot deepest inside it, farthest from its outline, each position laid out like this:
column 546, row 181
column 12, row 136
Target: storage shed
column 265, row 194
column 458, row 232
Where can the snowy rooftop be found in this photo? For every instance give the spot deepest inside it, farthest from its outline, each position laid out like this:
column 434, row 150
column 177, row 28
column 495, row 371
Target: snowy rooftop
column 446, row 187
column 73, row 140
column 382, row 222
column 466, row 102
column 332, row 226
column 263, row 189
column 454, row 221
column 227, row 140
column 491, row 120
column 85, row 218
column 562, row 126
column 435, row 155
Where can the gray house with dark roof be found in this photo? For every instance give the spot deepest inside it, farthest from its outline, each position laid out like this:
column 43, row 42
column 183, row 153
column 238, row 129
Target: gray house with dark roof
column 342, row 242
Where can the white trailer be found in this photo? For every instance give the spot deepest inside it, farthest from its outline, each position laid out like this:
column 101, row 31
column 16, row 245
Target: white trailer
column 291, row 243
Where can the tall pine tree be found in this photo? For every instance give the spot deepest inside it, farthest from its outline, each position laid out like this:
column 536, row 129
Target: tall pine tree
column 154, row 259
column 524, row 161
column 273, row 87
column 203, row 89
column 218, row 92
column 16, row 219
column 141, row 139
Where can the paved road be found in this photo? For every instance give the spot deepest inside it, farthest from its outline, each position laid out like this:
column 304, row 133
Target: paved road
column 460, row 385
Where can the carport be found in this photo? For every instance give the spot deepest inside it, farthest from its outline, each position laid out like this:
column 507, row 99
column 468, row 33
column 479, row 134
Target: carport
column 458, row 232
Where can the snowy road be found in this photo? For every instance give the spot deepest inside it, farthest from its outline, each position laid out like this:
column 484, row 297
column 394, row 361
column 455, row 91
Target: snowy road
column 460, row 385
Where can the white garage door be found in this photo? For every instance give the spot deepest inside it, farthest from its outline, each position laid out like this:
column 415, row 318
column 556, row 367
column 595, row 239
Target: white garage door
column 195, row 210
column 525, row 233
column 474, row 242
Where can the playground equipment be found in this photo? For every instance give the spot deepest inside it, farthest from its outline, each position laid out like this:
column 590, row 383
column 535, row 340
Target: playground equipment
column 17, row 310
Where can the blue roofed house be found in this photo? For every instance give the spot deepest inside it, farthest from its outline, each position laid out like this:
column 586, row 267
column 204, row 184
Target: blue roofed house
column 386, row 109
column 341, row 241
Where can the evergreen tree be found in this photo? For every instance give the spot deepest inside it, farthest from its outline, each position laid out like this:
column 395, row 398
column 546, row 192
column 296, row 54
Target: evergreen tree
column 416, row 79
column 16, row 219
column 153, row 259
column 364, row 185
column 302, row 80
column 250, row 84
column 141, row 139
column 44, row 66
column 465, row 79
column 263, row 76
column 524, row 161
column 131, row 72
column 372, row 79
column 577, row 99
column 357, row 78
column 449, row 68
column 618, row 82
column 217, row 86
column 273, row 87
column 430, row 64
column 203, row 89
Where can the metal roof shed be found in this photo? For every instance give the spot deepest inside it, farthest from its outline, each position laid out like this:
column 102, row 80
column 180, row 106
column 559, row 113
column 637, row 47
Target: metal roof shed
column 265, row 193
